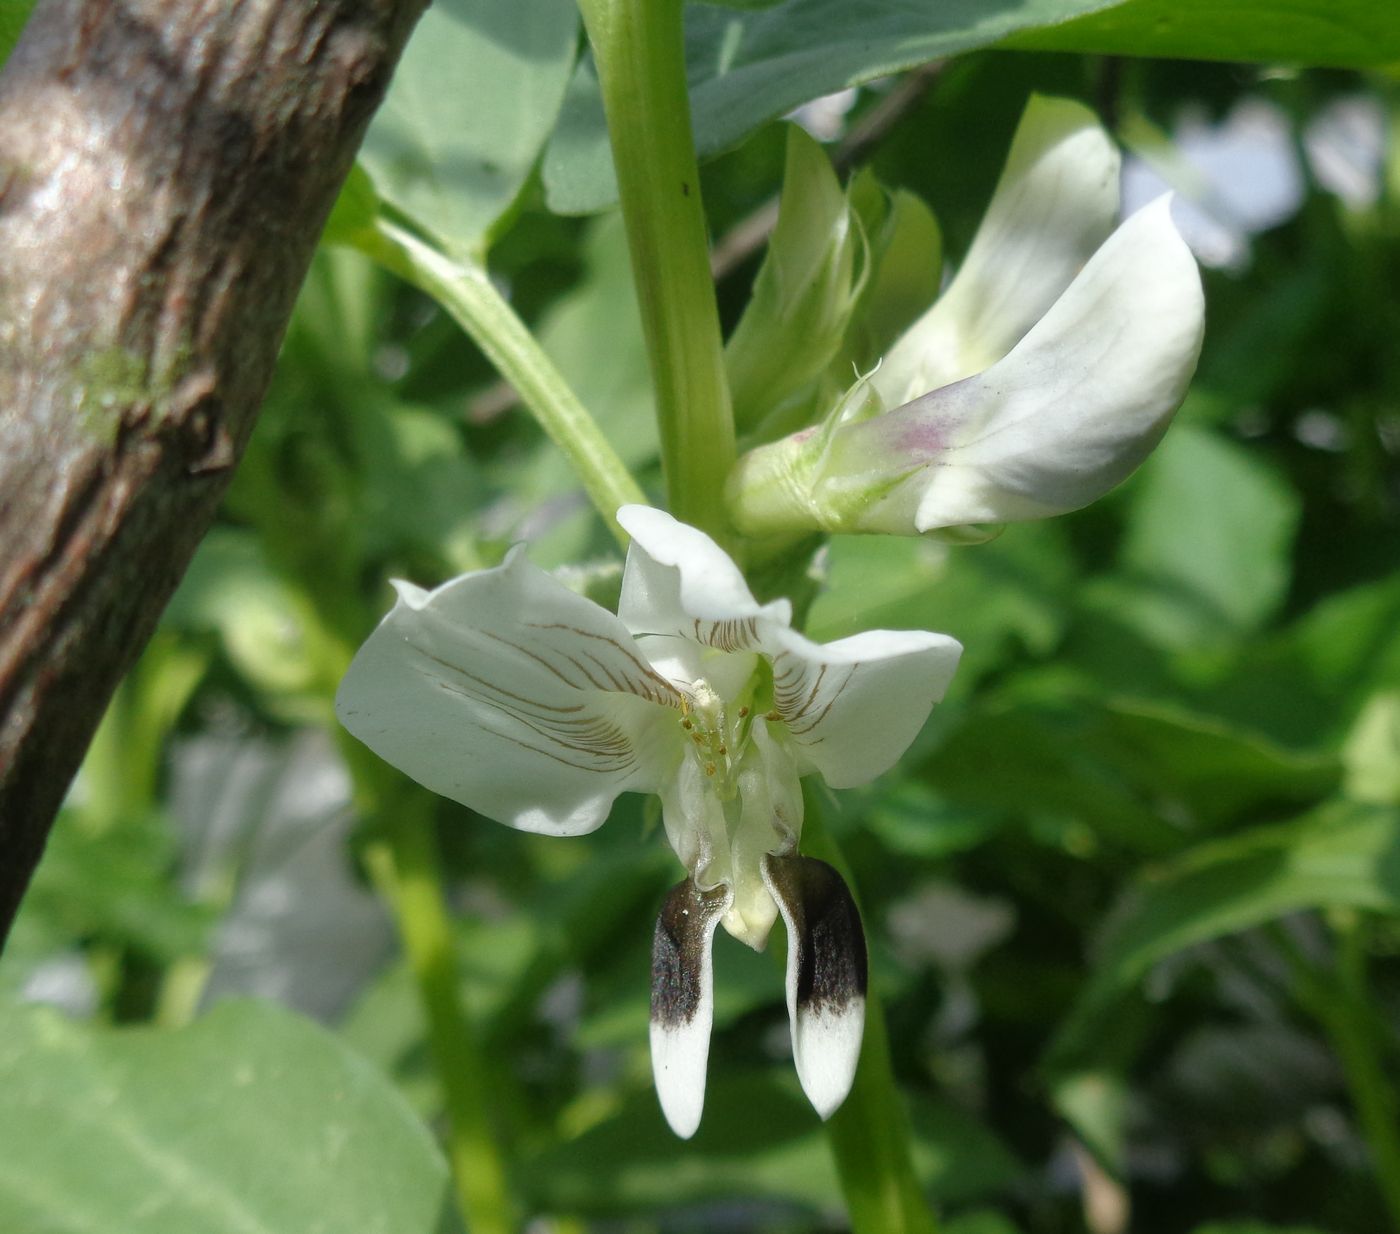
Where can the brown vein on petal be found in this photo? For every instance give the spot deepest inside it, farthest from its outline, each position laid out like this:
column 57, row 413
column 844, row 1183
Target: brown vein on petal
column 603, row 741
column 670, row 696
column 785, row 699
column 538, row 659
column 807, row 728
column 490, row 685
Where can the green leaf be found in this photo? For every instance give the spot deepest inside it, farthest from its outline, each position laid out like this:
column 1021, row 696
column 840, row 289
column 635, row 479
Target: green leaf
column 1343, row 855
column 1204, row 771
column 631, row 1162
column 116, row 887
column 746, row 68
column 250, row 1121
column 1339, row 33
column 1307, row 684
column 1097, row 1105
column 230, row 589
column 473, row 99
column 1001, row 596
column 1372, row 752
column 1209, row 536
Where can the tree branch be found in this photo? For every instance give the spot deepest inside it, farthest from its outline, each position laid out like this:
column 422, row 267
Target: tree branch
column 166, row 167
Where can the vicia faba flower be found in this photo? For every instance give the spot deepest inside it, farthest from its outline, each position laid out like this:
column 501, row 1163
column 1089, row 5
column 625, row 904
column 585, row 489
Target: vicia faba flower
column 1041, row 377
column 506, row 691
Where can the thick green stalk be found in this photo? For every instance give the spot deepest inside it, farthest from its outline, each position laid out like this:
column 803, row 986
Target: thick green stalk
column 404, row 865
column 640, row 52
column 869, row 1134
column 465, row 290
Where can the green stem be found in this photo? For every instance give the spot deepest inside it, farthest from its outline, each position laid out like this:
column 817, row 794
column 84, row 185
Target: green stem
column 639, row 48
column 465, row 290
column 404, row 865
column 1342, row 1004
column 869, row 1135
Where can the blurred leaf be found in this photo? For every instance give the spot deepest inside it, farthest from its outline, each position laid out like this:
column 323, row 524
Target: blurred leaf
column 230, row 590
column 116, row 887
column 1306, row 684
column 1372, row 753
column 913, row 819
column 1341, row 855
column 1205, row 771
column 472, row 101
column 746, row 68
column 1036, row 761
column 1209, row 533
column 1096, row 1105
column 250, row 1120
column 633, row 1163
column 997, row 598
column 1340, row 33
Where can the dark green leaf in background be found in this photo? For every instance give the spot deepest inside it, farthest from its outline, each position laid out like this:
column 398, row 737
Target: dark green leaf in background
column 1208, row 536
column 749, row 67
column 1340, row 33
column 1341, row 855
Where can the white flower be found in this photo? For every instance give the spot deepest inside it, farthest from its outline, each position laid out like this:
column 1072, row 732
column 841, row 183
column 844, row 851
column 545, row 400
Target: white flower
column 1039, row 380
column 507, row 692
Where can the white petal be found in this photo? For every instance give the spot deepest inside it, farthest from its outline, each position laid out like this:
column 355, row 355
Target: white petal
column 1054, row 205
column 1070, row 413
column 682, row 1001
column 826, row 975
column 680, row 582
column 507, row 692
column 853, row 706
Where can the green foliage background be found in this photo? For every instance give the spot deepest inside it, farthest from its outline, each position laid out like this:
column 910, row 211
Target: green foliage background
column 1132, row 898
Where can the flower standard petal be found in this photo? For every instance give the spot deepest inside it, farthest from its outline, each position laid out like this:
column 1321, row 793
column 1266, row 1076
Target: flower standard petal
column 826, row 975
column 1053, row 206
column 682, row 1000
column 507, row 692
column 680, row 582
column 853, row 706
column 1070, row 413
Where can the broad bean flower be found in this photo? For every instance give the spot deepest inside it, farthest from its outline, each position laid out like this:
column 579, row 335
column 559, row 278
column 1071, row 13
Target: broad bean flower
column 513, row 695
column 1042, row 376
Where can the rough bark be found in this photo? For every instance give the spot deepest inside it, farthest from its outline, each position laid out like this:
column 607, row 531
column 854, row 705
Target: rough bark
column 165, row 169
